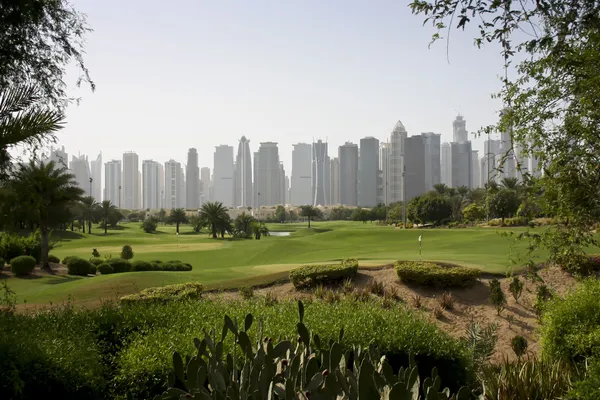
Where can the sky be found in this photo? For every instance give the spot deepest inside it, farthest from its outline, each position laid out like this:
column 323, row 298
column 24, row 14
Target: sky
column 194, row 73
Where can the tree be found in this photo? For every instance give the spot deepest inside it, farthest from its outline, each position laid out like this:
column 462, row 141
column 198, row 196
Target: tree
column 243, row 225
column 309, row 212
column 196, row 223
column 126, row 252
column 504, row 204
column 510, row 183
column 214, row 215
column 42, row 186
column 89, row 203
column 107, row 207
column 161, row 215
column 150, row 224
column 473, row 213
column 551, row 102
column 281, row 214
column 177, row 216
column 259, row 229
column 429, row 208
column 441, row 188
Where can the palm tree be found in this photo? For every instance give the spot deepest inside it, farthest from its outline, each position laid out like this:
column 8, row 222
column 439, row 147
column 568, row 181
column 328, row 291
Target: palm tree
column 213, row 214
column 23, row 121
column 107, row 208
column 259, row 229
column 309, row 212
column 89, row 203
column 177, row 216
column 510, row 183
column 243, row 225
column 42, row 187
column 441, row 188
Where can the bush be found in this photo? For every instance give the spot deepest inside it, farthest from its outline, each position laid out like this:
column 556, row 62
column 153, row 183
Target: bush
column 437, row 275
column 93, row 270
column 78, row 266
column 127, row 252
column 495, row 222
column 311, row 275
column 519, row 345
column 66, row 260
column 173, row 265
column 149, row 225
column 497, row 296
column 105, row 269
column 2, row 262
column 13, row 245
column 184, row 291
column 53, row 259
column 95, row 252
column 139, row 265
column 119, row 265
column 516, row 221
column 246, row 292
column 22, row 265
column 516, row 288
column 97, row 261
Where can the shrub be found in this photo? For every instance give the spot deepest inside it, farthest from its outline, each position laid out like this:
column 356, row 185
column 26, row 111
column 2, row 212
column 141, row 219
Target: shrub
column 497, row 296
column 348, row 286
column 22, row 265
column 519, row 345
column 97, row 260
column 93, row 270
column 179, row 292
column 417, row 301
column 516, row 288
column 542, row 295
column 66, row 260
column 78, row 266
column 13, row 245
column 120, row 265
column 1, row 263
column 139, row 265
column 173, row 265
column 437, row 275
column 438, row 312
column 446, row 301
column 95, row 253
column 310, row 275
column 149, row 225
column 246, row 292
column 53, row 259
column 375, row 287
column 495, row 222
column 270, row 299
column 105, row 269
column 516, row 221
column 127, row 252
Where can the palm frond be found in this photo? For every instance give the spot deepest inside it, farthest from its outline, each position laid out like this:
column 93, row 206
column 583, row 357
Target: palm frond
column 17, row 99
column 29, row 126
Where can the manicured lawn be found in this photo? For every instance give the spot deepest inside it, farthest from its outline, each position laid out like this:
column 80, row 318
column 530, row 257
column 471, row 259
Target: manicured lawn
column 233, row 263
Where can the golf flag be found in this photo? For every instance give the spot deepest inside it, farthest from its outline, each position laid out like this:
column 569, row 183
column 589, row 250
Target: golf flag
column 419, row 238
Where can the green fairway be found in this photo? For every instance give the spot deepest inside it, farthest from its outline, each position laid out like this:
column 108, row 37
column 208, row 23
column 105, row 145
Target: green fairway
column 234, row 263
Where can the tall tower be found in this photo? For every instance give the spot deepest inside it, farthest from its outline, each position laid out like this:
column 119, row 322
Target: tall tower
column 223, row 172
column 432, row 142
column 396, row 181
column 81, row 169
column 368, row 172
column 131, row 183
column 320, row 173
column 153, row 186
column 459, row 130
column 205, row 184
column 60, row 157
column 414, row 162
column 243, row 174
column 348, row 156
column 112, row 182
column 334, row 178
column 192, row 183
column 384, row 172
column 96, row 174
column 301, row 175
column 268, row 180
column 174, row 185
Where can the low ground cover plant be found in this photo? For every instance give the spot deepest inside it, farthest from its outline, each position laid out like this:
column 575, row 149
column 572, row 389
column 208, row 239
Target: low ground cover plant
column 436, row 275
column 312, row 275
column 163, row 294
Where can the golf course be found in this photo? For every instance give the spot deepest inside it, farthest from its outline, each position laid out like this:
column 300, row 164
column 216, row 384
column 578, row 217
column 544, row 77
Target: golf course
column 227, row 263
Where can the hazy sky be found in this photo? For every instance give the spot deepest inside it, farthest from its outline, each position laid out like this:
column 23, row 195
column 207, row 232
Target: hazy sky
column 180, row 74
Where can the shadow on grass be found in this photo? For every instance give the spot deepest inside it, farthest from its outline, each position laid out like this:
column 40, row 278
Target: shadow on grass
column 67, row 235
column 64, row 279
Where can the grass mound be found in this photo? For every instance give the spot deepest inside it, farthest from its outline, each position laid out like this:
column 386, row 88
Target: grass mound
column 436, row 275
column 311, row 275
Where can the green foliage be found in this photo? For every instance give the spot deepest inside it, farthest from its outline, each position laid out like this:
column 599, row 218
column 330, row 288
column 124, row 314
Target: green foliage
column 309, row 212
column 587, row 388
column 173, row 265
column 481, row 342
column 139, row 265
column 516, row 221
column 127, row 252
column 196, row 223
column 497, row 296
column 259, row 230
column 473, row 213
column 78, row 266
column 429, row 208
column 504, row 204
column 516, row 288
column 542, row 295
column 22, row 265
column 214, row 215
column 177, row 216
column 436, row 274
column 2, row 262
column 179, row 292
column 311, row 275
column 97, row 260
column 93, row 270
column 289, row 370
column 246, row 292
column 53, row 259
column 119, row 265
column 105, row 269
column 66, row 260
column 149, row 225
column 13, row 245
column 519, row 345
column 243, row 225
column 95, row 253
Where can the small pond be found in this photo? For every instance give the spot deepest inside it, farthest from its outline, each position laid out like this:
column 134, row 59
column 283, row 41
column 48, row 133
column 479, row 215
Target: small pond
column 280, row 233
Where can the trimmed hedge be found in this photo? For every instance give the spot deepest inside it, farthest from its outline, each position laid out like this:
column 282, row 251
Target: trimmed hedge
column 310, row 275
column 93, row 269
column 66, row 259
column 437, row 275
column 119, row 265
column 53, row 259
column 78, row 266
column 138, row 265
column 105, row 269
column 22, row 265
column 183, row 291
column 97, row 260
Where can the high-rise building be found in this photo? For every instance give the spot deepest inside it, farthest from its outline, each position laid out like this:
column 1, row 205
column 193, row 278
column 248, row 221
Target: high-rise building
column 223, row 175
column 368, row 172
column 205, row 184
column 384, row 172
column 396, row 162
column 243, row 174
column 80, row 167
column 153, row 186
column 459, row 130
column 281, row 184
column 432, row 143
column 348, row 174
column 446, row 165
column 60, row 157
column 334, row 177
column 112, row 182
column 489, row 171
column 301, row 175
column 174, row 185
column 96, row 174
column 131, row 181
column 287, row 190
column 414, row 163
column 267, row 173
column 476, row 172
column 461, row 160
column 255, row 180
column 192, row 180
column 320, row 174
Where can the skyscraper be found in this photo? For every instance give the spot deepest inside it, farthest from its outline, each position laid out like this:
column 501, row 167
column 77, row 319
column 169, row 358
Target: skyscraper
column 432, row 159
column 223, row 175
column 243, row 174
column 287, row 190
column 131, row 181
column 348, row 174
column 476, row 171
column 368, row 172
column 459, row 130
column 384, row 170
column 414, row 162
column 446, row 165
column 174, row 185
column 60, row 157
column 153, row 186
column 461, row 159
column 112, row 182
column 491, row 150
column 396, row 165
column 320, row 173
column 301, row 175
column 268, row 181
column 205, row 184
column 80, row 167
column 192, row 182
column 96, row 174
column 281, row 184
column 334, row 178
